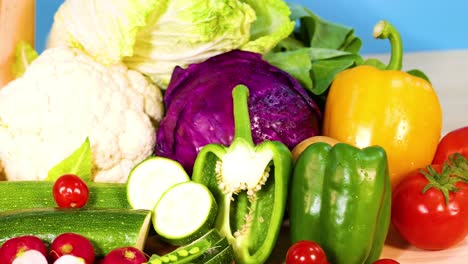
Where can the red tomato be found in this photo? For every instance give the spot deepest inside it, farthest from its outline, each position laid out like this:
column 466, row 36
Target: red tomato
column 426, row 220
column 306, row 252
column 70, row 191
column 386, row 261
column 452, row 142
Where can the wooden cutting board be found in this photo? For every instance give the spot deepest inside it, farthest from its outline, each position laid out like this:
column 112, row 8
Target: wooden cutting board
column 396, row 248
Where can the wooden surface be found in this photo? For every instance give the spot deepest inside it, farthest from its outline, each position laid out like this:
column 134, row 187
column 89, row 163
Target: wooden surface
column 397, row 249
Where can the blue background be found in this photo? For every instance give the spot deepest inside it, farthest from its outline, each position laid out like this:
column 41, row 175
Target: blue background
column 424, row 25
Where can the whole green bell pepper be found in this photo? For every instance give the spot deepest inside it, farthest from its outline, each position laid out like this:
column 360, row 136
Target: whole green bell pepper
column 340, row 198
column 249, row 183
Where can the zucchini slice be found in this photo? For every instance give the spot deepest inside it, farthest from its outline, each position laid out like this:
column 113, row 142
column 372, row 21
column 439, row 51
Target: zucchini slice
column 184, row 212
column 150, row 179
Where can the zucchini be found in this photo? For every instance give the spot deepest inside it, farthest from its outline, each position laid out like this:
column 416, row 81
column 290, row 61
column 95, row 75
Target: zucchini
column 18, row 195
column 184, row 212
column 107, row 229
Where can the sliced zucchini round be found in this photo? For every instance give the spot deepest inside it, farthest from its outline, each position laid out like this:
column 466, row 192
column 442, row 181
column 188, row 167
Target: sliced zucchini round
column 184, row 212
column 150, row 179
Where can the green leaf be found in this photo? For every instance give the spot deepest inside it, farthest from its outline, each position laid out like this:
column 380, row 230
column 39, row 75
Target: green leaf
column 319, row 33
column 331, row 48
column 352, row 44
column 325, row 54
column 325, row 71
column 329, row 35
column 420, row 74
column 376, row 63
column 78, row 163
column 314, row 68
column 24, row 55
column 298, row 62
column 288, row 44
column 299, row 11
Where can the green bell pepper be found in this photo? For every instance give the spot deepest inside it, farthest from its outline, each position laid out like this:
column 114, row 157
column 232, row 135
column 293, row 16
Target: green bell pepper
column 249, row 183
column 340, row 198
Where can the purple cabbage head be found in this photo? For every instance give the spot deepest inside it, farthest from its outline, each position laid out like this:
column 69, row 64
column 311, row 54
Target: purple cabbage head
column 199, row 106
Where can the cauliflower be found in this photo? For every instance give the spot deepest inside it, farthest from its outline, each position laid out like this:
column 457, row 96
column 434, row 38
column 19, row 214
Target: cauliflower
column 65, row 96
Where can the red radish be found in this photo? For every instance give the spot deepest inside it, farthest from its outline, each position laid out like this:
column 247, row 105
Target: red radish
column 30, row 256
column 14, row 247
column 69, row 259
column 125, row 255
column 72, row 244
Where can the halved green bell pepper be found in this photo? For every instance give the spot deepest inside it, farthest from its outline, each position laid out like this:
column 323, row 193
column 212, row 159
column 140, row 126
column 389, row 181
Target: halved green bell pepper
column 340, row 198
column 249, row 183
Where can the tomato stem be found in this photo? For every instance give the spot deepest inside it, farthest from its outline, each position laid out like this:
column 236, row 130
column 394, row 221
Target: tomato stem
column 459, row 166
column 453, row 171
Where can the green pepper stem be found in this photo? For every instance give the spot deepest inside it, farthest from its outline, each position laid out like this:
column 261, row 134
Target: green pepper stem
column 240, row 95
column 384, row 30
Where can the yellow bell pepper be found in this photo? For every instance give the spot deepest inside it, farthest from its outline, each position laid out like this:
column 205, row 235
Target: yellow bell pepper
column 390, row 108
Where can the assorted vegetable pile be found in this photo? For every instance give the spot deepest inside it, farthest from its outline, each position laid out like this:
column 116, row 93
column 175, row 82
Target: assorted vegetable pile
column 175, row 131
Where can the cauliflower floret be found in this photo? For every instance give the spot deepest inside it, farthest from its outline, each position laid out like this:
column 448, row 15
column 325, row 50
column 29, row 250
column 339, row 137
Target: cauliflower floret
column 64, row 97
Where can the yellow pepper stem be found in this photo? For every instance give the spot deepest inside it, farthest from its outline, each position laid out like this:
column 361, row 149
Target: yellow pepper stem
column 384, row 30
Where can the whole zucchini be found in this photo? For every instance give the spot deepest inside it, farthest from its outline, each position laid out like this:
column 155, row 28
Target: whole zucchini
column 107, row 229
column 17, row 195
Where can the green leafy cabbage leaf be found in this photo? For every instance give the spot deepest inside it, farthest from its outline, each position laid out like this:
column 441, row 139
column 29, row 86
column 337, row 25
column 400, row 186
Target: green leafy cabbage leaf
column 105, row 29
column 186, row 32
column 155, row 36
column 272, row 25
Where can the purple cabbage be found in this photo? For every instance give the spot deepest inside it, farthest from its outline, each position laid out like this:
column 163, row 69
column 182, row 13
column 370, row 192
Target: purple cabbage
column 199, row 110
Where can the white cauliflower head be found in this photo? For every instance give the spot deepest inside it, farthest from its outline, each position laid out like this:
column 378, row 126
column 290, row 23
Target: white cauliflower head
column 64, row 97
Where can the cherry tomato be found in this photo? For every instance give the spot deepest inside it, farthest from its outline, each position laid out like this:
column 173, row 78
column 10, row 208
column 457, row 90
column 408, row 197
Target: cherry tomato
column 306, row 252
column 454, row 141
column 70, row 191
column 386, row 261
column 425, row 220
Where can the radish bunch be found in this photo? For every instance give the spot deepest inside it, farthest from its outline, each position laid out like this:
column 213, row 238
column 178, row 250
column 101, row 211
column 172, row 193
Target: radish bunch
column 67, row 248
